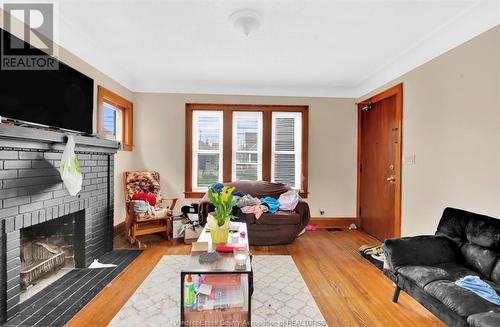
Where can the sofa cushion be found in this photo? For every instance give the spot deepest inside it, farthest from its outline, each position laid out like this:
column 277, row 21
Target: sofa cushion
column 279, row 218
column 495, row 272
column 456, row 270
column 423, row 275
column 463, row 226
column 493, row 285
column 484, row 319
column 424, row 250
column 483, row 231
column 453, row 223
column 479, row 258
column 458, row 299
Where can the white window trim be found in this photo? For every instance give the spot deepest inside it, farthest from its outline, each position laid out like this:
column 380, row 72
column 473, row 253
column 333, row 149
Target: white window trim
column 298, row 144
column 196, row 151
column 251, row 114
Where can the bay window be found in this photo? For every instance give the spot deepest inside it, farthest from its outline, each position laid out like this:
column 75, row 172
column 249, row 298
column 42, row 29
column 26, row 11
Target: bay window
column 227, row 143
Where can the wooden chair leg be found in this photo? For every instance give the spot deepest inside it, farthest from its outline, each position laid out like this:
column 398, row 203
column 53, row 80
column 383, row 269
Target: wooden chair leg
column 134, row 227
column 168, row 224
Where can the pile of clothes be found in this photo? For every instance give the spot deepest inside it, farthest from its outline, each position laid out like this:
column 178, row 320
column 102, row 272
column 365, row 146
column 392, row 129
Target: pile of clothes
column 249, row 204
column 143, row 208
column 147, row 204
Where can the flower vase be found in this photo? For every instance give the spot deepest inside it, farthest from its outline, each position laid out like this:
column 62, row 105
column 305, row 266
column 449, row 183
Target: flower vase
column 219, row 234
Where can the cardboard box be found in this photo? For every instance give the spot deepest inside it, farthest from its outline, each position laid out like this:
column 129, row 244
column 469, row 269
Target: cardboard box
column 191, row 235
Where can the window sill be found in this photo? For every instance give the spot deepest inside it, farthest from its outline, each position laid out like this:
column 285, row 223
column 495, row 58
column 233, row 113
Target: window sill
column 193, row 195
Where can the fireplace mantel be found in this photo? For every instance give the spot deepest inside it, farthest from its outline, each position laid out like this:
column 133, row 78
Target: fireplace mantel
column 27, row 137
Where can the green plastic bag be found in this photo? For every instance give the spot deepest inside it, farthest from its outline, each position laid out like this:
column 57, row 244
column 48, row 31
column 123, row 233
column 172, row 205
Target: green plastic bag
column 70, row 168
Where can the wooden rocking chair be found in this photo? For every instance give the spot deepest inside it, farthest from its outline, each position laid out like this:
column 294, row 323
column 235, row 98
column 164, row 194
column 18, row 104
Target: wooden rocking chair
column 144, row 223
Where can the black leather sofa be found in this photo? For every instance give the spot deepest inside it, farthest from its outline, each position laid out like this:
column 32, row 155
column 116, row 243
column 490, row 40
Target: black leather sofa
column 426, row 267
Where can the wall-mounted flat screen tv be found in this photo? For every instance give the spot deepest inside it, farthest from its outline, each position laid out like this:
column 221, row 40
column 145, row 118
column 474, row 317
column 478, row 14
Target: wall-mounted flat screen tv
column 61, row 98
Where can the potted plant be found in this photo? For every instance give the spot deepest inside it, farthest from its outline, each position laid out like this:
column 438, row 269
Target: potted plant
column 219, row 221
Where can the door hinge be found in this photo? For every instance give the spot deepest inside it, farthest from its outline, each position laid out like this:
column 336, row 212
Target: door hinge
column 360, row 211
column 361, row 168
column 395, row 135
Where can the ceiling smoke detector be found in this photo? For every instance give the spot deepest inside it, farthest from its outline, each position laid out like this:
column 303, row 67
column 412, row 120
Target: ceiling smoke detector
column 246, row 21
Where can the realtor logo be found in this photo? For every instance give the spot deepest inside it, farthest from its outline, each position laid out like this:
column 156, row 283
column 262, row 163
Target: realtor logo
column 30, row 43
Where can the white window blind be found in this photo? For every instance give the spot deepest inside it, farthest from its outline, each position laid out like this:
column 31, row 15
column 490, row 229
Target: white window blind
column 286, row 148
column 207, row 149
column 247, row 146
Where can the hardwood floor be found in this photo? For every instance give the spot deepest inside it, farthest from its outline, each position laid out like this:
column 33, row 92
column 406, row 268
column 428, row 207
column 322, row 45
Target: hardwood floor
column 348, row 290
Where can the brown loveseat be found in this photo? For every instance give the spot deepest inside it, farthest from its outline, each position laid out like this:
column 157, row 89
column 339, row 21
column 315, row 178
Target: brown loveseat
column 270, row 229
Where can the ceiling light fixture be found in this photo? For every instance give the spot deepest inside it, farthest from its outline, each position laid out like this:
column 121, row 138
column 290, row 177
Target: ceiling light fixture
column 245, row 20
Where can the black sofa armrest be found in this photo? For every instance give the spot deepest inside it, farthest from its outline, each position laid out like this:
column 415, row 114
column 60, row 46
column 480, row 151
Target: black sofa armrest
column 426, row 250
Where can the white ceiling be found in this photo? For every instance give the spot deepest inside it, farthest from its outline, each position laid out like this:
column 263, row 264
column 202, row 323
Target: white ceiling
column 342, row 48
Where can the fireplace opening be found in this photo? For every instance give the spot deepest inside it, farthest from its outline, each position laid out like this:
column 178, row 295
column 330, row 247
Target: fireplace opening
column 50, row 250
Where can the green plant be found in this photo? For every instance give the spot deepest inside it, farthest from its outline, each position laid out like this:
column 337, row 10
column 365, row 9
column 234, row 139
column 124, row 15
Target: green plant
column 222, row 199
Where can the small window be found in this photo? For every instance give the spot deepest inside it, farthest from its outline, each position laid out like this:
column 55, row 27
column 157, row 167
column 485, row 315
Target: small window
column 115, row 117
column 207, row 149
column 286, row 148
column 111, row 121
column 247, row 146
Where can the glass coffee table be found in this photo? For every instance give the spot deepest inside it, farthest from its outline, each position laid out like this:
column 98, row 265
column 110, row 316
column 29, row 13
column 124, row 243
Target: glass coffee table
column 222, row 289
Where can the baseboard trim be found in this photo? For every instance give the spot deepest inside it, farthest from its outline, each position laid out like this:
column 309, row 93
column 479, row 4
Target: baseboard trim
column 334, row 222
column 119, row 229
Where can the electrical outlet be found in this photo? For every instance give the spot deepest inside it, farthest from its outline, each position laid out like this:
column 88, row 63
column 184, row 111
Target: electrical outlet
column 321, row 211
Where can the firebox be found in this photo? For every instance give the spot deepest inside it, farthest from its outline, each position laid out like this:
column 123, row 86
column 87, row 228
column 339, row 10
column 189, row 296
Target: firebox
column 49, row 250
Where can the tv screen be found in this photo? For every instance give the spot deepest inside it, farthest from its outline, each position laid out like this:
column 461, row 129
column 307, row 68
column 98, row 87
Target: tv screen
column 60, row 98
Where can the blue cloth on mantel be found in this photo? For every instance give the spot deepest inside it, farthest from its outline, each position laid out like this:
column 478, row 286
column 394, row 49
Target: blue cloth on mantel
column 271, row 203
column 481, row 288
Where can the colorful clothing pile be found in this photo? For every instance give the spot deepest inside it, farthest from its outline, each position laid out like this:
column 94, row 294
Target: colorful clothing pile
column 289, row 200
column 270, row 202
column 257, row 209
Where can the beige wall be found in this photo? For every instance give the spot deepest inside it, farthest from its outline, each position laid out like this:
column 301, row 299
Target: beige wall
column 451, row 122
column 159, row 145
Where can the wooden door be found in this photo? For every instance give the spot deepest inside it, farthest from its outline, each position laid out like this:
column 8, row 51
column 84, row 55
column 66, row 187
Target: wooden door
column 379, row 163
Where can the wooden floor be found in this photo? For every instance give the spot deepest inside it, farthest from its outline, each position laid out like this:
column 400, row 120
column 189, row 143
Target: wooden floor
column 348, row 290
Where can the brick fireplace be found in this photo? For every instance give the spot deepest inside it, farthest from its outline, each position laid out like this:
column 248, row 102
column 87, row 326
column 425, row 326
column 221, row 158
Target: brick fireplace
column 32, row 193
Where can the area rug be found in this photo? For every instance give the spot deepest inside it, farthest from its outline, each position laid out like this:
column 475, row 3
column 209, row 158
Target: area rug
column 280, row 296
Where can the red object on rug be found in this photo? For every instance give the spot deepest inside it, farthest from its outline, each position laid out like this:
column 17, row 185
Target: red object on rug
column 143, row 196
column 311, row 228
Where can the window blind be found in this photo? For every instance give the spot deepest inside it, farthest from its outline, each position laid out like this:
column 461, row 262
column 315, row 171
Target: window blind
column 286, row 148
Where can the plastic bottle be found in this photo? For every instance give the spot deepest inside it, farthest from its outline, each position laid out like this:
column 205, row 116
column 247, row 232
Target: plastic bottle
column 189, row 291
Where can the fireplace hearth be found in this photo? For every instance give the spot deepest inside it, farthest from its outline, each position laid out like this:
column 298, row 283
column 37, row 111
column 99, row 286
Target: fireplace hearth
column 44, row 230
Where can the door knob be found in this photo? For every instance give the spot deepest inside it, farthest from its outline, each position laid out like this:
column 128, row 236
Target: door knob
column 391, row 179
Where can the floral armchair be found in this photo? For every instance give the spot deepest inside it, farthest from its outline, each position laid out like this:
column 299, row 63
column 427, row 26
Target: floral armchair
column 137, row 224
